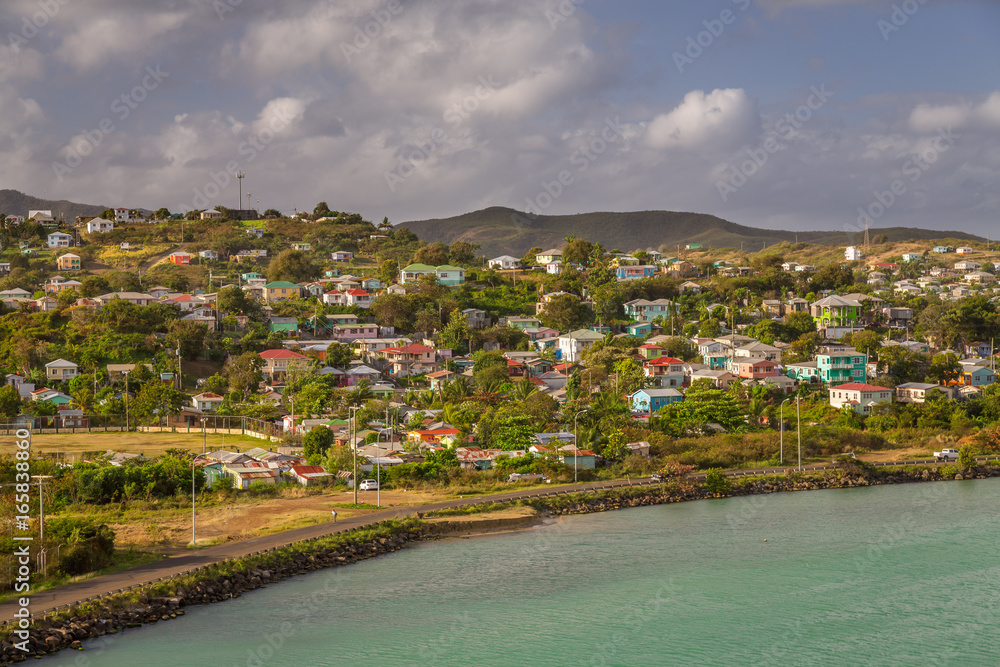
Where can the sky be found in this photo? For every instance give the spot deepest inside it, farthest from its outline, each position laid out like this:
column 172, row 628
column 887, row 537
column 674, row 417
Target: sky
column 781, row 114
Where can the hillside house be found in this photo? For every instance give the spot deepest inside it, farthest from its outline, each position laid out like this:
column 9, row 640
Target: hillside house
column 210, row 255
column 651, row 400
column 412, row 273
column 59, row 240
column 281, row 290
column 504, row 263
column 750, row 369
column 211, row 214
column 572, row 344
column 61, row 370
column 68, row 262
column 412, row 359
column 635, row 272
column 100, row 226
column 341, row 256
column 207, row 401
column 181, row 258
column 644, row 310
column 917, row 392
column 859, row 396
column 841, row 364
column 278, row 363
column 548, row 256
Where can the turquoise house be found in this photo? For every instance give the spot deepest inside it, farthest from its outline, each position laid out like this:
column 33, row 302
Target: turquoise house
column 450, row 275
column 284, row 324
column 651, row 400
column 213, row 473
column 583, row 459
column 639, row 329
column 253, row 275
column 837, row 365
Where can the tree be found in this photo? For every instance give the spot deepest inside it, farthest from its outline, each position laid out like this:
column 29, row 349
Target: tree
column 435, row 254
column 943, row 368
column 339, row 355
column 272, row 213
column 393, row 310
column 244, row 373
column 798, row 324
column 578, row 251
column 529, row 257
column 321, row 209
column 157, row 399
column 94, row 286
column 463, row 253
column 294, row 266
column 457, row 332
column 488, row 369
column 317, row 441
column 899, row 363
column 162, row 213
column 10, row 403
column 710, row 328
column 868, row 342
column 189, row 336
column 388, row 272
column 233, row 300
column 566, row 312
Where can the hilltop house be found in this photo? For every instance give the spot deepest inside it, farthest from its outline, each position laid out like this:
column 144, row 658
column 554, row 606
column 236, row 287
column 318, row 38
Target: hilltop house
column 548, row 256
column 504, row 263
column 68, row 262
column 100, row 226
column 59, row 240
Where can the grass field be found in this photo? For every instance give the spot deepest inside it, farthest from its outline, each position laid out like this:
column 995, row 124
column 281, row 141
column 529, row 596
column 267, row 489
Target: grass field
column 72, row 446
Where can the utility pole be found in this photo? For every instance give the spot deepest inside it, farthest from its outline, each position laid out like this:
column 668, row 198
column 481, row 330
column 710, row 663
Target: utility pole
column 240, row 175
column 352, row 430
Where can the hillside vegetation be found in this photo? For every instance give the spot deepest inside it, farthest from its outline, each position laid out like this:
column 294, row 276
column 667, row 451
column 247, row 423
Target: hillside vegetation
column 499, row 230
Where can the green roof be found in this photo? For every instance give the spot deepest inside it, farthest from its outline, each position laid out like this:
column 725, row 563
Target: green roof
column 281, row 283
column 419, row 267
column 448, row 267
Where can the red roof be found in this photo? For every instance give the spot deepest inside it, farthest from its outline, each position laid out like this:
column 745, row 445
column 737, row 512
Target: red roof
column 411, row 348
column 860, row 386
column 357, row 292
column 663, row 361
column 280, row 354
column 512, row 362
column 650, row 346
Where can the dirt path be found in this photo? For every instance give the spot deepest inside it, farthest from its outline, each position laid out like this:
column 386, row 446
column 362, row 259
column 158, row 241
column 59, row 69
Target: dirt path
column 156, row 259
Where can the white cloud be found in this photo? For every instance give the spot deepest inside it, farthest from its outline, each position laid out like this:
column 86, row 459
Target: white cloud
column 722, row 118
column 104, row 37
column 982, row 116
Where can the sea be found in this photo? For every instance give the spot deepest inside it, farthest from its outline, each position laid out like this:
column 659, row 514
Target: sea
column 886, row 575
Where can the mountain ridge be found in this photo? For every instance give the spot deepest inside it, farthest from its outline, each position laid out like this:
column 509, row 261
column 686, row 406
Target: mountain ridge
column 15, row 202
column 501, row 230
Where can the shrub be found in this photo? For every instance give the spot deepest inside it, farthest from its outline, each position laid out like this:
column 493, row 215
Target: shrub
column 717, row 483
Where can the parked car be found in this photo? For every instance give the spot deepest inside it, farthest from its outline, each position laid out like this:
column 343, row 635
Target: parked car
column 946, row 455
column 658, row 477
column 368, row 485
column 525, row 476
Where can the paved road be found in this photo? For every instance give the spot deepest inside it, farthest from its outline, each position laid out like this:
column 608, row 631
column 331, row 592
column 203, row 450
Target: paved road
column 109, row 583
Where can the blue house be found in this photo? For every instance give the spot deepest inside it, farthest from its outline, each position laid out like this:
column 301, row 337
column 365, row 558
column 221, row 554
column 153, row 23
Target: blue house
column 639, row 329
column 651, row 400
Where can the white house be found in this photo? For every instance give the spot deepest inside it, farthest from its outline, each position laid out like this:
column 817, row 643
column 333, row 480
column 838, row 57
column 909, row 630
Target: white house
column 122, row 215
column 60, row 240
column 504, row 263
column 209, row 254
column 572, row 345
column 207, row 402
column 859, row 396
column 100, row 226
column 852, row 254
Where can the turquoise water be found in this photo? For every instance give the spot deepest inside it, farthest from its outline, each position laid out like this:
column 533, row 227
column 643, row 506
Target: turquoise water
column 898, row 575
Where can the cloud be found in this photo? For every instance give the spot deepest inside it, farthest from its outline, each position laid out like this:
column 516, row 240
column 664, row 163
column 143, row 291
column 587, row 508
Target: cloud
column 722, row 118
column 982, row 116
column 104, row 37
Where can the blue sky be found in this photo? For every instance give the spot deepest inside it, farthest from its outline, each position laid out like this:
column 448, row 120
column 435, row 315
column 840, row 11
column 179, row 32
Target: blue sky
column 552, row 106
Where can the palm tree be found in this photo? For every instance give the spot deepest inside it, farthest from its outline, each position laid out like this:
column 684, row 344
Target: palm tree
column 523, row 389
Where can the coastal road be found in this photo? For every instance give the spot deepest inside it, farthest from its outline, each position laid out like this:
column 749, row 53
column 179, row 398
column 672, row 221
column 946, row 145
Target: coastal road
column 110, row 583
column 144, row 574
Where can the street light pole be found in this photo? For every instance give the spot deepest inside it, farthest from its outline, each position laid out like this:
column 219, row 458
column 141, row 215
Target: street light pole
column 798, row 408
column 43, row 565
column 194, row 541
column 353, row 434
column 126, row 400
column 204, row 437
column 781, row 431
column 576, row 446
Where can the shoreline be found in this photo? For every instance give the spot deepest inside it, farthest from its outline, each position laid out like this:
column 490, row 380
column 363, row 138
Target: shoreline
column 218, row 582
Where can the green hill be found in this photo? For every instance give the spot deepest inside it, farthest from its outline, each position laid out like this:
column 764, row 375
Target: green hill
column 501, row 230
column 13, row 202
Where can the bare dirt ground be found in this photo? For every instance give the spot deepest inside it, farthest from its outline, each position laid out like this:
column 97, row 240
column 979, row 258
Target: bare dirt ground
column 241, row 518
column 71, row 446
column 904, row 454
